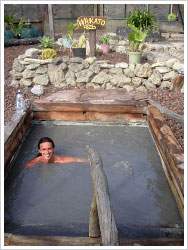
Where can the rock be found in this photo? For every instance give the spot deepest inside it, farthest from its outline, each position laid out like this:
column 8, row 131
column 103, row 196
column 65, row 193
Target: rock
column 70, row 74
column 90, row 60
column 128, row 72
column 137, row 81
column 63, row 66
column 16, row 75
column 33, row 66
column 119, row 80
column 123, row 32
column 41, row 79
column 132, row 66
column 166, row 85
column 101, row 78
column 142, row 89
column 26, row 82
column 171, row 62
column 28, row 73
column 108, row 85
column 158, row 64
column 149, row 85
column 153, row 36
column 75, row 67
column 84, row 76
column 128, row 88
column 76, row 60
column 85, row 64
column 163, row 70
column 121, row 65
column 182, row 90
column 70, row 82
column 65, row 59
column 169, row 76
column 106, row 66
column 56, row 76
column 57, row 60
column 32, row 52
column 40, row 61
column 121, row 50
column 95, row 68
column 116, row 71
column 15, row 83
column 17, row 66
column 177, row 66
column 143, row 70
column 41, row 70
column 155, row 78
column 37, row 90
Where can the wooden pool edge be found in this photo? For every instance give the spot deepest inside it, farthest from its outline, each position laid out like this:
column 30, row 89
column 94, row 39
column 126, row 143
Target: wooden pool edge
column 128, row 110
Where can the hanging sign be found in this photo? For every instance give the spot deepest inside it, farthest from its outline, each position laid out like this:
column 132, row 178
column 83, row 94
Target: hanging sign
column 91, row 23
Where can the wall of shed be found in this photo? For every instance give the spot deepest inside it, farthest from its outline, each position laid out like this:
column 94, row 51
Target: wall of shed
column 115, row 13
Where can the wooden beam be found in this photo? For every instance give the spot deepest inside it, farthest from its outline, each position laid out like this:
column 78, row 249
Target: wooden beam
column 167, row 111
column 34, row 240
column 51, row 21
column 108, row 228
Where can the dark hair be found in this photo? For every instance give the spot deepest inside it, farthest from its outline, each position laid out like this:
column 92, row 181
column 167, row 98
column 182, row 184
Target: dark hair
column 45, row 139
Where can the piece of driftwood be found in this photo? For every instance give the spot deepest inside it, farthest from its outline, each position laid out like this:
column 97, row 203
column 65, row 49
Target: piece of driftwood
column 94, row 228
column 107, row 221
column 25, row 41
column 166, row 111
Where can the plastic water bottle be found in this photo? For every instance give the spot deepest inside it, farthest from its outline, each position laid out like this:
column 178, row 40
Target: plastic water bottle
column 19, row 102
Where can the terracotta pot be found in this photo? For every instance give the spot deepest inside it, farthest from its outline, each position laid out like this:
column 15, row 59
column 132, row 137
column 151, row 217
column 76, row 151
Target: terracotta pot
column 105, row 48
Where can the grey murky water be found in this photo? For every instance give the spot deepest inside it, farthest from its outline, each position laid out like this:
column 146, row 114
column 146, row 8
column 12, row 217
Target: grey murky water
column 56, row 198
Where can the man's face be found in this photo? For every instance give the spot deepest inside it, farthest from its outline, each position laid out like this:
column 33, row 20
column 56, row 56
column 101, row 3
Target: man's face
column 46, row 150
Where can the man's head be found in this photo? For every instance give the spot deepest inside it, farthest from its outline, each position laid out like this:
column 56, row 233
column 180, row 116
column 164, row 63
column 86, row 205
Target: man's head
column 46, row 147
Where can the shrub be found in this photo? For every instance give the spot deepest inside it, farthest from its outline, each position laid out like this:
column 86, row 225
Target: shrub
column 48, row 53
column 143, row 20
column 105, row 39
column 46, row 42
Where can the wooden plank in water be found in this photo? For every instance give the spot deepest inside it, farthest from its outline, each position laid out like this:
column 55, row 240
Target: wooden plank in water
column 108, row 228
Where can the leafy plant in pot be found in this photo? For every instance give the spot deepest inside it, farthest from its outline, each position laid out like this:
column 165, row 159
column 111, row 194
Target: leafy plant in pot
column 105, row 44
column 78, row 47
column 67, row 40
column 136, row 38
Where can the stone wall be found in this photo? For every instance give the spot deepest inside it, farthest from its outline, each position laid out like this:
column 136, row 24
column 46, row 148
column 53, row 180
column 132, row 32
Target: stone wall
column 77, row 72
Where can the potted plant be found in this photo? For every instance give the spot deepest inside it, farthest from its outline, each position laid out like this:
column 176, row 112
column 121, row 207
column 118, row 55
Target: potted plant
column 66, row 40
column 78, row 47
column 9, row 20
column 143, row 20
column 136, row 38
column 105, row 44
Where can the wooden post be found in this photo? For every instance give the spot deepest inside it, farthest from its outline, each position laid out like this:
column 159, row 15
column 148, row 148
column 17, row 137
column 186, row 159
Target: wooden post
column 107, row 222
column 92, row 42
column 51, row 21
column 94, row 229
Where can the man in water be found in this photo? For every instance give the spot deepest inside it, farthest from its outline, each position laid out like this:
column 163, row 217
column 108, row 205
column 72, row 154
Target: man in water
column 46, row 154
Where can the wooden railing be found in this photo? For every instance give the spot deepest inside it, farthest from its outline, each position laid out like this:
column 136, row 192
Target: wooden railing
column 102, row 219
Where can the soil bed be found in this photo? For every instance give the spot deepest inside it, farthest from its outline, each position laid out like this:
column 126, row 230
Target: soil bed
column 168, row 98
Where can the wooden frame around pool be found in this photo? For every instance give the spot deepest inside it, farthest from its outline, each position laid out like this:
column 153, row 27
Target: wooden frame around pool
column 104, row 106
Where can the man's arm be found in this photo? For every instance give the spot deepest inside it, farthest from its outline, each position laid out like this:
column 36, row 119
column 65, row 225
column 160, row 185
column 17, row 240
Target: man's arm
column 61, row 159
column 32, row 162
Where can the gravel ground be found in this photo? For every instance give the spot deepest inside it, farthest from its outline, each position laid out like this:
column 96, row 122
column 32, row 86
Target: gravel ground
column 170, row 99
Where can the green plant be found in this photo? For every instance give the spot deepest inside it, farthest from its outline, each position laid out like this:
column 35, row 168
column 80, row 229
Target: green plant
column 143, row 20
column 46, row 42
column 81, row 43
column 17, row 28
column 136, row 37
column 71, row 27
column 9, row 19
column 105, row 39
column 171, row 17
column 48, row 53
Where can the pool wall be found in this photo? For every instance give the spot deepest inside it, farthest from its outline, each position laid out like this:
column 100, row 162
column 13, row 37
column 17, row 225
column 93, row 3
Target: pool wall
column 108, row 106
